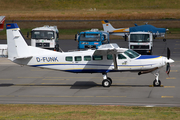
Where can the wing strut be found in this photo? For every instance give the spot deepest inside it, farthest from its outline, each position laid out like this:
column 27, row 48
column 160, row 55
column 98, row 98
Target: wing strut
column 115, row 61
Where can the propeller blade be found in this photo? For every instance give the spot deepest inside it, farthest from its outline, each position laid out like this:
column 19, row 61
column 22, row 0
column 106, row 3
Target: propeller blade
column 168, row 68
column 168, row 53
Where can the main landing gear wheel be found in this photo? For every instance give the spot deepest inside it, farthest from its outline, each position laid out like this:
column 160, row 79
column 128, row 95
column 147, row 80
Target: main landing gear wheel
column 106, row 83
column 156, row 83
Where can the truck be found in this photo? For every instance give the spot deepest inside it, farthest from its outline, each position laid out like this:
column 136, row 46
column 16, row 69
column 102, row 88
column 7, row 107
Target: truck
column 91, row 39
column 45, row 37
column 141, row 42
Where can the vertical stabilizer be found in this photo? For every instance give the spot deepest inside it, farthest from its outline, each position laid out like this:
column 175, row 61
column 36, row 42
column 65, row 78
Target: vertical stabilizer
column 107, row 26
column 17, row 47
column 114, row 31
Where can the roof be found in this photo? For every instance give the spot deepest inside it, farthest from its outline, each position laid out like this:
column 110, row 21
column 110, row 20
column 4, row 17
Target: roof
column 46, row 27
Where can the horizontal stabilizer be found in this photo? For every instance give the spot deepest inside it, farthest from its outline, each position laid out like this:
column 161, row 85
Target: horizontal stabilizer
column 24, row 57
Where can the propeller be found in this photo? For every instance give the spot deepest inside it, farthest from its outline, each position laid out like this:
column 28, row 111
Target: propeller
column 168, row 53
column 168, row 67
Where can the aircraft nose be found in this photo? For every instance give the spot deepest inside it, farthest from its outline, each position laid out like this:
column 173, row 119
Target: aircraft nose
column 165, row 60
column 169, row 60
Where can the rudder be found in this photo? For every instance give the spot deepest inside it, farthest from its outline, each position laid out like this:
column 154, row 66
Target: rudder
column 17, row 47
column 107, row 26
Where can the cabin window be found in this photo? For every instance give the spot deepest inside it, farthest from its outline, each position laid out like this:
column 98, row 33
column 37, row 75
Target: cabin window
column 87, row 58
column 69, row 58
column 109, row 57
column 96, row 57
column 120, row 56
column 77, row 58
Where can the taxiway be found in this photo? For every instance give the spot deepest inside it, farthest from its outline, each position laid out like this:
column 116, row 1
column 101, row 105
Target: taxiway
column 28, row 85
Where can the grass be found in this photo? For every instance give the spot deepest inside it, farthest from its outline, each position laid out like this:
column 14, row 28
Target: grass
column 82, row 4
column 86, row 14
column 88, row 112
column 89, row 9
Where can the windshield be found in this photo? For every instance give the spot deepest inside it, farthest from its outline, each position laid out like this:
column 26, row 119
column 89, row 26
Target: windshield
column 42, row 35
column 131, row 54
column 89, row 37
column 139, row 38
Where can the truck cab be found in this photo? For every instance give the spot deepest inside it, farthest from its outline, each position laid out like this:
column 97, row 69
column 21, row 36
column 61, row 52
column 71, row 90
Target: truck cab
column 91, row 39
column 141, row 42
column 45, row 37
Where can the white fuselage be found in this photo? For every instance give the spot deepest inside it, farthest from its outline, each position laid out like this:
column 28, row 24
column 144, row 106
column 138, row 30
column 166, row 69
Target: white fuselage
column 77, row 62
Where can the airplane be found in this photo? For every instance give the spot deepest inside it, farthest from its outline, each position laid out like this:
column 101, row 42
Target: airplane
column 2, row 19
column 157, row 32
column 107, row 58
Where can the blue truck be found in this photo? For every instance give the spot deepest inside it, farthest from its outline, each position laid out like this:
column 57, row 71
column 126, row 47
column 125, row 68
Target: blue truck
column 91, row 39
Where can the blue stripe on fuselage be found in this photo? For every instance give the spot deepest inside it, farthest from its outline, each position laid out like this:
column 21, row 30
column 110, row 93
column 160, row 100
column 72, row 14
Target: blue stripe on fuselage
column 148, row 57
column 40, row 65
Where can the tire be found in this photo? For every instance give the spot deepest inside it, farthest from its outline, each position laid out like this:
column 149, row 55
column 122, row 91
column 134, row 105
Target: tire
column 156, row 84
column 106, row 83
column 109, row 79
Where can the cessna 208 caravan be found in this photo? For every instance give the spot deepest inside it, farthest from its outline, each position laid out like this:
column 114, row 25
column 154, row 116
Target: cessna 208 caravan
column 107, row 58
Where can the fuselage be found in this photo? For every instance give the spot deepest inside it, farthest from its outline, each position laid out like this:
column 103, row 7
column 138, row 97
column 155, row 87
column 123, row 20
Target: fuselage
column 86, row 62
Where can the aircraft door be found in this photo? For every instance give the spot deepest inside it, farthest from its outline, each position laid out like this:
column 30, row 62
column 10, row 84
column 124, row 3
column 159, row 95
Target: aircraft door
column 122, row 62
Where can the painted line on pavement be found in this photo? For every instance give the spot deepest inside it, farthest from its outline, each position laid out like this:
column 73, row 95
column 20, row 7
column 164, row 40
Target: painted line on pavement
column 167, row 96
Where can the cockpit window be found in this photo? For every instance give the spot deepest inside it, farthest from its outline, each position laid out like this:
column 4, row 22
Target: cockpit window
column 120, row 56
column 131, row 53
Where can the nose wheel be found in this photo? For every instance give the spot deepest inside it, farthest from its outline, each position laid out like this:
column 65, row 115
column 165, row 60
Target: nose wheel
column 156, row 82
column 107, row 81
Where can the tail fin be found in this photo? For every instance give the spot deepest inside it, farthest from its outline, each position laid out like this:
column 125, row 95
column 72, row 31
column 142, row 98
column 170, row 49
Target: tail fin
column 107, row 26
column 2, row 19
column 17, row 47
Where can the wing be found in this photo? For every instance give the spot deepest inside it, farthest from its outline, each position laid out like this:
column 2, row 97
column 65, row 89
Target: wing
column 110, row 49
column 107, row 49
